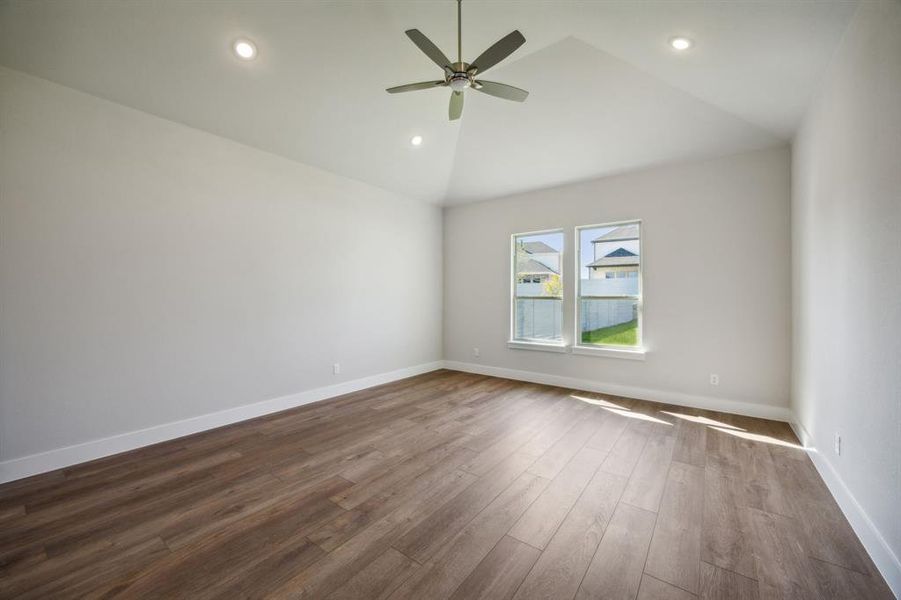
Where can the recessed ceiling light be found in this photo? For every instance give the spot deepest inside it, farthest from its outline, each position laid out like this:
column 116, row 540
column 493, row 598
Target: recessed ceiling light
column 680, row 43
column 416, row 140
column 245, row 49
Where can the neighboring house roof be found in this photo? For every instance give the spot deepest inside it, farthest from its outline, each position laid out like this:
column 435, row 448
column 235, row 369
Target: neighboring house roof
column 618, row 258
column 620, row 252
column 537, row 248
column 620, row 234
column 528, row 266
column 617, row 261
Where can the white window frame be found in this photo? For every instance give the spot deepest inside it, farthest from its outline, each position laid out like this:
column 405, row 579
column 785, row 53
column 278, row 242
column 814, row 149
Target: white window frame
column 615, row 351
column 547, row 346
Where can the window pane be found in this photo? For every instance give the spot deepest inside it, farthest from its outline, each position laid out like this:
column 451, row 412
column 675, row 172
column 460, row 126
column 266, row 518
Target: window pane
column 608, row 322
column 609, row 265
column 538, row 319
column 538, row 293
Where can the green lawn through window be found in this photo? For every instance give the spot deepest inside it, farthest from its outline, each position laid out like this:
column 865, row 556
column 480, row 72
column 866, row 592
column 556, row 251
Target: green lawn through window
column 624, row 334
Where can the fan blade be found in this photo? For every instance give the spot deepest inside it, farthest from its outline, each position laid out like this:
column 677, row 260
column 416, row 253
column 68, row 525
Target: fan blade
column 501, row 49
column 456, row 106
column 428, row 48
column 412, row 87
column 502, row 90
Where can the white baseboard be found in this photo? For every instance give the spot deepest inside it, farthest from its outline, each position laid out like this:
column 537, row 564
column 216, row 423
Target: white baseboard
column 764, row 411
column 873, row 541
column 58, row 458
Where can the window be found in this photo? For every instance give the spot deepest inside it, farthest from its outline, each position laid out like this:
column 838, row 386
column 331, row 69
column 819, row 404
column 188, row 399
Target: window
column 537, row 303
column 608, row 306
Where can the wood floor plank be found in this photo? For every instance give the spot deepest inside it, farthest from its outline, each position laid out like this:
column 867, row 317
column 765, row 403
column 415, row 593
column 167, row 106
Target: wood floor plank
column 561, row 424
column 722, row 584
column 829, row 537
column 515, row 412
column 342, row 563
column 270, row 573
column 608, row 432
column 136, row 518
column 560, row 569
column 691, row 443
column 626, row 451
column 440, row 577
column 724, row 452
column 30, row 576
column 180, row 527
column 782, row 564
column 648, row 479
column 378, row 579
column 98, row 579
column 366, row 465
column 615, row 571
column 372, row 486
column 12, row 512
column 759, row 485
column 15, row 560
column 426, row 538
column 541, row 520
column 500, row 573
column 279, row 527
column 834, row 581
column 56, row 522
column 675, row 553
column 346, row 525
column 443, row 485
column 485, row 461
column 726, row 538
column 558, row 456
column 98, row 498
column 654, row 589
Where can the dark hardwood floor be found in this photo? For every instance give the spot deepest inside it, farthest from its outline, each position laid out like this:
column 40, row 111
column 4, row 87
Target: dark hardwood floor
column 447, row 485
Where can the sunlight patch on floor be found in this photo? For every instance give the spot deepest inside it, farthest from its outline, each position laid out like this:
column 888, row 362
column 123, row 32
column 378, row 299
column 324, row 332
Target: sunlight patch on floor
column 756, row 437
column 619, row 410
column 701, row 420
column 625, row 412
column 598, row 402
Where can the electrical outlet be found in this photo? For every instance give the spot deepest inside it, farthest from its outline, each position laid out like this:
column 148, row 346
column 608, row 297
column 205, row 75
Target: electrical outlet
column 336, row 368
column 838, row 444
column 476, row 352
column 714, row 379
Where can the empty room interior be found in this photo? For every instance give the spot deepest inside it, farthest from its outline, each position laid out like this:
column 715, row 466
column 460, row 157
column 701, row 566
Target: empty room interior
column 392, row 299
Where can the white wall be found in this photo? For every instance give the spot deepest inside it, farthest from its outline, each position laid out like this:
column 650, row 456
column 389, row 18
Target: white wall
column 846, row 229
column 716, row 260
column 150, row 272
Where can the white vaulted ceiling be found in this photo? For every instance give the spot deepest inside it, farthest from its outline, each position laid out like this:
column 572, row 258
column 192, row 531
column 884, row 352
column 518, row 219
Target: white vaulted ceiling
column 608, row 94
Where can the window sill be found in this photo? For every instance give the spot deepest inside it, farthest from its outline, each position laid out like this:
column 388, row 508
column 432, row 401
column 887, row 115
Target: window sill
column 542, row 347
column 632, row 354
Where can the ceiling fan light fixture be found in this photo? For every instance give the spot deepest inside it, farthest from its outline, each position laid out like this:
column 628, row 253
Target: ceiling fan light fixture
column 681, row 43
column 459, row 82
column 245, row 49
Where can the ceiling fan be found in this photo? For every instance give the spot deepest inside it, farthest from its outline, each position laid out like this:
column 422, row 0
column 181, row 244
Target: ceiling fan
column 460, row 75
